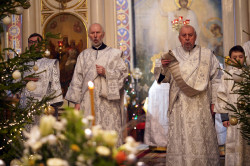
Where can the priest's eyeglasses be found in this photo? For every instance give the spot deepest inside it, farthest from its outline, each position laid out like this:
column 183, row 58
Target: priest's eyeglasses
column 32, row 42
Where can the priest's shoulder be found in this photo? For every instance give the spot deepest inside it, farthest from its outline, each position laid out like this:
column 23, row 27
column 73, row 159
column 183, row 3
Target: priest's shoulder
column 115, row 51
column 206, row 51
column 48, row 60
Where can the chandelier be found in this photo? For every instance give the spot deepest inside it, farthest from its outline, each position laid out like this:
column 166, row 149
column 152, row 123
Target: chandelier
column 179, row 22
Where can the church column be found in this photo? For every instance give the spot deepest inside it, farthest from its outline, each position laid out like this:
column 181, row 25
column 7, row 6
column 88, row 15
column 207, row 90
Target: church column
column 103, row 12
column 31, row 21
column 241, row 21
column 110, row 20
column 228, row 21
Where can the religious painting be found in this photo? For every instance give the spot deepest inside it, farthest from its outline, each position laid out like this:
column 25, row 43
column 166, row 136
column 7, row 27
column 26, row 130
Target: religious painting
column 157, row 24
column 73, row 41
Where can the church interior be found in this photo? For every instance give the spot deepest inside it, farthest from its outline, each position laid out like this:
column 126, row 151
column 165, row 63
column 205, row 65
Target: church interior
column 142, row 30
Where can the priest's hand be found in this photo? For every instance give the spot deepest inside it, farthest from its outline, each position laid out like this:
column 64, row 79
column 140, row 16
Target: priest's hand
column 100, row 70
column 77, row 106
column 226, row 124
column 165, row 62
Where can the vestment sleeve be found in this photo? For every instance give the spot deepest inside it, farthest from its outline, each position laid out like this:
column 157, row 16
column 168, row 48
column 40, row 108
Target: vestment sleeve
column 55, row 86
column 74, row 93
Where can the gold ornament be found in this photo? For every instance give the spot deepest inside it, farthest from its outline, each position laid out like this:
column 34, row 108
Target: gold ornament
column 19, row 9
column 233, row 121
column 35, row 68
column 6, row 20
column 49, row 110
column 16, row 74
column 47, row 53
column 31, row 85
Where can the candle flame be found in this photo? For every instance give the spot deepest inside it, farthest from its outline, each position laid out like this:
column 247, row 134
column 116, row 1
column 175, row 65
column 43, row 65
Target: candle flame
column 91, row 85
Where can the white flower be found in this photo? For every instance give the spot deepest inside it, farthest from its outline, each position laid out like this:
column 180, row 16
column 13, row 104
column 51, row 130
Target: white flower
column 90, row 117
column 46, row 125
column 81, row 158
column 130, row 146
column 85, row 121
column 103, row 150
column 51, row 139
column 59, row 126
column 36, row 146
column 129, row 139
column 33, row 136
column 97, row 130
column 56, row 162
column 110, row 137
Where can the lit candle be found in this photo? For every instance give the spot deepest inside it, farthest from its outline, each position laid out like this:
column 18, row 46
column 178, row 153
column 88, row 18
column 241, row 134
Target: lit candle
column 180, row 17
column 91, row 93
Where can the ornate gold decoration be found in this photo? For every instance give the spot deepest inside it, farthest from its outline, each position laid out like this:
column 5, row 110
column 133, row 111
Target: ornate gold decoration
column 153, row 58
column 45, row 17
column 83, row 14
column 177, row 2
column 63, row 1
column 67, row 3
column 45, row 7
column 83, row 5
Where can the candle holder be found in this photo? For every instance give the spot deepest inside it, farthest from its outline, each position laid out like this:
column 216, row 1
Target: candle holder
column 60, row 45
column 179, row 22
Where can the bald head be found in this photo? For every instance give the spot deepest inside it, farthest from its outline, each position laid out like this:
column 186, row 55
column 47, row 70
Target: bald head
column 187, row 37
column 96, row 34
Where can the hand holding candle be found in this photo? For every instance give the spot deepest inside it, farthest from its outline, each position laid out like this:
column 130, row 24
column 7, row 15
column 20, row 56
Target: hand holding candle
column 91, row 93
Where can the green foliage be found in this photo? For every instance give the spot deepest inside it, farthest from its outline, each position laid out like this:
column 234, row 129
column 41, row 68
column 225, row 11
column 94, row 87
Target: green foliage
column 8, row 6
column 75, row 141
column 242, row 107
column 13, row 117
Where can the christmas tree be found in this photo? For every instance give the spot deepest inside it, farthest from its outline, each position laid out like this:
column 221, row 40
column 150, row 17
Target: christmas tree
column 13, row 117
column 242, row 107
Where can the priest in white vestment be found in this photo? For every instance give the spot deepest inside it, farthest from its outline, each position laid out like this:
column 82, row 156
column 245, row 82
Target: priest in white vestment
column 156, row 123
column 47, row 83
column 105, row 67
column 194, row 76
column 237, row 149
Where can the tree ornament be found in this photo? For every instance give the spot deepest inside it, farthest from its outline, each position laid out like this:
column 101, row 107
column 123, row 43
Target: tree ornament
column 233, row 120
column 26, row 5
column 6, row 20
column 16, row 74
column 49, row 110
column 47, row 53
column 241, row 105
column 35, row 68
column 236, row 76
column 19, row 9
column 31, row 85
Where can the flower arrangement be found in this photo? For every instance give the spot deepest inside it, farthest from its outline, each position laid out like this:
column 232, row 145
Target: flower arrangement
column 74, row 141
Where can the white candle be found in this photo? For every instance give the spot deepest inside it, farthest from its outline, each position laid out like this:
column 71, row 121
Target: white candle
column 91, row 93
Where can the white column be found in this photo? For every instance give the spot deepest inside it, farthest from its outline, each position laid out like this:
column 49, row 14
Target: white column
column 110, row 23
column 31, row 21
column 104, row 12
column 241, row 21
column 228, row 25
